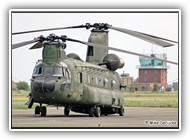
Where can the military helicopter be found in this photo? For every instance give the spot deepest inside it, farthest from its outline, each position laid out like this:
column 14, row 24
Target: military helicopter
column 92, row 87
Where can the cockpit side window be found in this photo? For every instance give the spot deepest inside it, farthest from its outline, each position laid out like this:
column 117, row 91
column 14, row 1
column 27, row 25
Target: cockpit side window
column 39, row 70
column 67, row 73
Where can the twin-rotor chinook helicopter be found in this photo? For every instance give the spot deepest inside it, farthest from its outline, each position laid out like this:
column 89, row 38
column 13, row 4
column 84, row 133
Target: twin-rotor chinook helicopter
column 91, row 87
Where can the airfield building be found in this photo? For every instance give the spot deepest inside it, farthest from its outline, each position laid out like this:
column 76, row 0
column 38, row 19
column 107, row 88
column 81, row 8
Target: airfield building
column 152, row 72
column 127, row 80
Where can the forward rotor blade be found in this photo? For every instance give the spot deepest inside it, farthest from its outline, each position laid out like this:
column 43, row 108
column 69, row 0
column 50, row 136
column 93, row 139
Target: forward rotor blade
column 49, row 29
column 37, row 45
column 119, row 50
column 150, row 38
column 17, row 45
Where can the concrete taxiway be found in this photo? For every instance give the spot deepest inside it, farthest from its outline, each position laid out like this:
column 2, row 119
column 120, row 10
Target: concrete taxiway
column 135, row 117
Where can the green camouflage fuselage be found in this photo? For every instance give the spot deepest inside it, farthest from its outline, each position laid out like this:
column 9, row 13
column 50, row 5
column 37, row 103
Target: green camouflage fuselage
column 81, row 84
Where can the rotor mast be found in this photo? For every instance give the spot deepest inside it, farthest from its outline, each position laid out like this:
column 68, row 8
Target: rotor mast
column 94, row 54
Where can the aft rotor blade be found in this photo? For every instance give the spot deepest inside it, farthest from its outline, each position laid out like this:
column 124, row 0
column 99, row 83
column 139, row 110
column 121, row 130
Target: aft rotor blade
column 160, row 38
column 49, row 29
column 17, row 45
column 119, row 50
column 150, row 38
column 138, row 54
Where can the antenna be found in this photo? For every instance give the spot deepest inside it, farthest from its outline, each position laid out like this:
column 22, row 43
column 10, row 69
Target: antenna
column 152, row 50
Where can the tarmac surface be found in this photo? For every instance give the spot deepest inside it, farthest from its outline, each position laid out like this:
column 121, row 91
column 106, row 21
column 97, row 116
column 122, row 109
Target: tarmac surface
column 135, row 117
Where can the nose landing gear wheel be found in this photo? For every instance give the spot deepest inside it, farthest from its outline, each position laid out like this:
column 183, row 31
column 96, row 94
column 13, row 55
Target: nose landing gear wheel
column 37, row 110
column 41, row 110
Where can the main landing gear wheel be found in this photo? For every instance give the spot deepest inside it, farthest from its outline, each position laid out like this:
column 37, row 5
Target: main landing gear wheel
column 66, row 111
column 91, row 112
column 94, row 111
column 41, row 110
column 121, row 111
column 97, row 112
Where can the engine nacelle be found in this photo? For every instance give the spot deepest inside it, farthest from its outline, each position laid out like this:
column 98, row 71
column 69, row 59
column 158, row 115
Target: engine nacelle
column 121, row 63
column 113, row 62
column 74, row 56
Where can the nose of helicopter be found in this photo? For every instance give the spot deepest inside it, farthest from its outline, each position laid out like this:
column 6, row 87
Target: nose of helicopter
column 43, row 86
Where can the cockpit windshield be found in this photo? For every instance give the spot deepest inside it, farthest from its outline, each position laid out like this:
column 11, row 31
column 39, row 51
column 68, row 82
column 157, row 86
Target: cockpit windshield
column 51, row 71
column 54, row 71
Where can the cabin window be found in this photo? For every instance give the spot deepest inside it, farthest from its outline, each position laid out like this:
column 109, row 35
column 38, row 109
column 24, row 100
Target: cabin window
column 89, row 79
column 96, row 80
column 105, row 82
column 79, row 77
column 90, row 51
column 113, row 83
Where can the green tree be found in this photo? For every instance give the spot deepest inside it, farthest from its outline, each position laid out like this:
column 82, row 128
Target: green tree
column 155, row 87
column 23, row 85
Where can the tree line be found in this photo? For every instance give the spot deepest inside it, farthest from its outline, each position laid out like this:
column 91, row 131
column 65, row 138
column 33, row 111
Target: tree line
column 22, row 85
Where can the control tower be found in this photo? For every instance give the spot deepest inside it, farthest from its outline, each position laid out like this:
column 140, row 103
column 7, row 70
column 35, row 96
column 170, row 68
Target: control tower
column 153, row 71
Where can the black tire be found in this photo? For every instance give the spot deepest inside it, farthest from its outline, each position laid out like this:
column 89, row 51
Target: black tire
column 37, row 110
column 43, row 111
column 97, row 112
column 91, row 112
column 121, row 111
column 66, row 111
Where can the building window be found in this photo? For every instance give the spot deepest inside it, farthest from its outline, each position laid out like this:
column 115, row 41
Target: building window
column 145, row 79
column 143, row 88
column 155, row 71
column 155, row 79
column 145, row 71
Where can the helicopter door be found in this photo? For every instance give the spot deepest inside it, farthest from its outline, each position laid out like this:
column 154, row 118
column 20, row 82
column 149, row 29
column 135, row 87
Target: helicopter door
column 68, row 77
column 67, row 83
column 80, row 86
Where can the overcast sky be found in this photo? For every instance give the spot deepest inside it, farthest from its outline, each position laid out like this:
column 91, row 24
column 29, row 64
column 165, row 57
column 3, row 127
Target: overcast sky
column 160, row 24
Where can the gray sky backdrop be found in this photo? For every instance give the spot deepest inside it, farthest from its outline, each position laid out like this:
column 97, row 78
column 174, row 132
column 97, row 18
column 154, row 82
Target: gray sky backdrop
column 160, row 24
